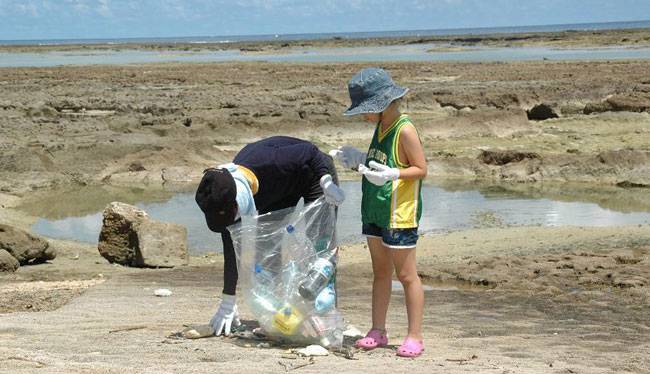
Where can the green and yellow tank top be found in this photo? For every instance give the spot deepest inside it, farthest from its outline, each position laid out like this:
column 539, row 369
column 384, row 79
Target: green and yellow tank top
column 396, row 204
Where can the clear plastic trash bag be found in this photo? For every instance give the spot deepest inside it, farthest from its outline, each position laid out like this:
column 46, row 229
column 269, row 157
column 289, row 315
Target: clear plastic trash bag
column 287, row 271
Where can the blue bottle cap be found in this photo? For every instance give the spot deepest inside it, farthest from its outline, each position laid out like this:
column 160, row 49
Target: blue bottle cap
column 290, row 229
column 258, row 268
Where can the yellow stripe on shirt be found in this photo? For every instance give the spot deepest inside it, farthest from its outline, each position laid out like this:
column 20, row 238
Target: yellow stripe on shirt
column 250, row 178
column 404, row 204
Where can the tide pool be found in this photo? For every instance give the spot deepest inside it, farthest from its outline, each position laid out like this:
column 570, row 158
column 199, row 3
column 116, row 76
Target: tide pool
column 418, row 52
column 447, row 207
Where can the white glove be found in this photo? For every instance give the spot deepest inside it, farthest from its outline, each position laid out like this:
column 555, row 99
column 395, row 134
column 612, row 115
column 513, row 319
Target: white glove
column 226, row 316
column 333, row 193
column 349, row 157
column 378, row 174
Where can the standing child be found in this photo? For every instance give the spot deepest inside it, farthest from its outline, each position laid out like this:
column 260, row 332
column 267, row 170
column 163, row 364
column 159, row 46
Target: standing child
column 393, row 169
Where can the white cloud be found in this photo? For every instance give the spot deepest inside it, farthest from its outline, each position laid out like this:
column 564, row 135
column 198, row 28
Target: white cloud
column 78, row 5
column 104, row 8
column 357, row 4
column 48, row 5
column 177, row 8
column 265, row 4
column 28, row 8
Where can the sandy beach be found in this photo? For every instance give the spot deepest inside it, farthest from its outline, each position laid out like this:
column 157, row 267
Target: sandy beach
column 528, row 299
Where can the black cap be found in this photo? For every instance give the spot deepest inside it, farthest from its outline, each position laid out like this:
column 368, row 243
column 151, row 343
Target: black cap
column 217, row 198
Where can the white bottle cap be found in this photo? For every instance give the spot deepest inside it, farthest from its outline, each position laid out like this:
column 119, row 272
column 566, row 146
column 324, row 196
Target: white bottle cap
column 325, row 342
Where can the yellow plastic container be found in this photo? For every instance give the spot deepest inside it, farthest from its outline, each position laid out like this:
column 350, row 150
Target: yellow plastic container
column 287, row 319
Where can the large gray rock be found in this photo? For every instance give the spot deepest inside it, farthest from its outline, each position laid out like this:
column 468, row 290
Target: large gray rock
column 24, row 247
column 7, row 262
column 129, row 237
column 162, row 244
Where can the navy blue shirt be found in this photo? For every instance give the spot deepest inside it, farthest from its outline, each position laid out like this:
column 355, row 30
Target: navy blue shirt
column 286, row 169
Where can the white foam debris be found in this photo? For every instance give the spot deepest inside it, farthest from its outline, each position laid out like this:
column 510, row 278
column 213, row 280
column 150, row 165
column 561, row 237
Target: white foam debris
column 162, row 292
column 313, row 350
column 352, row 332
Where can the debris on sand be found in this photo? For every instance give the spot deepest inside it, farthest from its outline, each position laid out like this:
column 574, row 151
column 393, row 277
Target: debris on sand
column 313, row 350
column 195, row 332
column 162, row 292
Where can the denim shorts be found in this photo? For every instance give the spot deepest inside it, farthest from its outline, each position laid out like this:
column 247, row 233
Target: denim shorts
column 392, row 238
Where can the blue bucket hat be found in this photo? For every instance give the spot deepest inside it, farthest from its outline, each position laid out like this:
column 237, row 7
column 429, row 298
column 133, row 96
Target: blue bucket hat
column 371, row 91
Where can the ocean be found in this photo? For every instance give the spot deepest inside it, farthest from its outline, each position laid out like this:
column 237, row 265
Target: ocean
column 411, row 52
column 349, row 35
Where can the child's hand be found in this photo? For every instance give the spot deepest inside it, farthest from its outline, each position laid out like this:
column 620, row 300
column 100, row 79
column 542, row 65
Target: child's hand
column 378, row 174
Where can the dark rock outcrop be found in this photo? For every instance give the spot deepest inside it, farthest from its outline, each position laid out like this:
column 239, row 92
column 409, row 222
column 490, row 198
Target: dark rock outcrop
column 505, row 157
column 541, row 112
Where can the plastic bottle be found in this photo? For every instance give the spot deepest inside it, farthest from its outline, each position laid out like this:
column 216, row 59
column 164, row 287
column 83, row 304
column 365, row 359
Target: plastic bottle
column 325, row 298
column 263, row 279
column 265, row 301
column 325, row 329
column 287, row 319
column 313, row 327
column 290, row 275
column 299, row 245
column 317, row 277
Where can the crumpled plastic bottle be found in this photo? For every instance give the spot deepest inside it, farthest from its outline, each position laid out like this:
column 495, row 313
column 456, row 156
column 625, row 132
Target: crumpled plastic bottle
column 318, row 276
column 325, row 299
column 324, row 328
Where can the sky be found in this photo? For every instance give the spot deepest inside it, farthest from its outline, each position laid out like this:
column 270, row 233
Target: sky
column 90, row 19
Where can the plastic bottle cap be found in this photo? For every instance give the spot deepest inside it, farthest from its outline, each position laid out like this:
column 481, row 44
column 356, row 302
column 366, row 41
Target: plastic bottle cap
column 258, row 268
column 291, row 229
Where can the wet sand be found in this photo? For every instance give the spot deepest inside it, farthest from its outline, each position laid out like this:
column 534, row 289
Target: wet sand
column 518, row 299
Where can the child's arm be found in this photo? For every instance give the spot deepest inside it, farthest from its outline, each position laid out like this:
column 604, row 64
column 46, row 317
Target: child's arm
column 410, row 146
column 410, row 153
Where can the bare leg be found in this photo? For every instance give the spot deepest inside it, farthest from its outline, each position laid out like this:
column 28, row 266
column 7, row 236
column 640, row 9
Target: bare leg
column 404, row 260
column 382, row 266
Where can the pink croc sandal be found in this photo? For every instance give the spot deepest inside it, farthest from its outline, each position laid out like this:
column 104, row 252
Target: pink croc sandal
column 410, row 348
column 373, row 339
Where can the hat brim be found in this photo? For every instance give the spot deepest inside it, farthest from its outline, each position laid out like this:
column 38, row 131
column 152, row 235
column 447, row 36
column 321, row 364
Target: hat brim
column 216, row 196
column 377, row 103
column 218, row 223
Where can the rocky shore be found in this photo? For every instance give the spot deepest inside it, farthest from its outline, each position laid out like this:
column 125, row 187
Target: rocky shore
column 501, row 299
column 569, row 121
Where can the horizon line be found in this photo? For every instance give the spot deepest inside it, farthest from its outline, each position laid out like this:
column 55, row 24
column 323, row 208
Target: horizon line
column 331, row 33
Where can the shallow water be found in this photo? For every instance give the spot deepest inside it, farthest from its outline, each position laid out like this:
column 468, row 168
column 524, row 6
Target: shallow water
column 447, row 206
column 419, row 52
